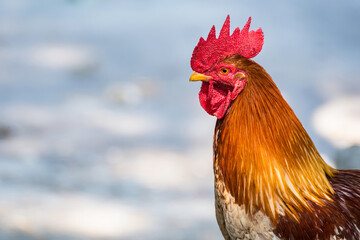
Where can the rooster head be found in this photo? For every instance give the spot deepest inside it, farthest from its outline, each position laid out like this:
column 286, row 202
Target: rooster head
column 222, row 79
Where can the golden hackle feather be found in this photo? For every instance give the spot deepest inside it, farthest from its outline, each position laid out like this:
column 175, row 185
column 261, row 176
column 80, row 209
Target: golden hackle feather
column 266, row 159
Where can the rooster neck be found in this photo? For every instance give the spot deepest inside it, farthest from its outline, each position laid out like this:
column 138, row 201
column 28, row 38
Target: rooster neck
column 265, row 157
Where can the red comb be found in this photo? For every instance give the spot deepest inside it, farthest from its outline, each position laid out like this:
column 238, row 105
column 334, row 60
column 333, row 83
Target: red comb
column 211, row 50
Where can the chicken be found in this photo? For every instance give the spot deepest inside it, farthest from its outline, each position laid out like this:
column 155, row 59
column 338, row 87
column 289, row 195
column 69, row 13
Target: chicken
column 270, row 181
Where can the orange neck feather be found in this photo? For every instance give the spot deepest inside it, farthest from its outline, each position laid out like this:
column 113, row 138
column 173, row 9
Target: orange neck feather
column 264, row 155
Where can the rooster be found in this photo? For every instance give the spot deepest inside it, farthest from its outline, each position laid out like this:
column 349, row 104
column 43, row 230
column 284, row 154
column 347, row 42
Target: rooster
column 270, row 181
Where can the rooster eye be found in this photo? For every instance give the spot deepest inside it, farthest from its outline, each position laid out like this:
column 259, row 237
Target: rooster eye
column 224, row 71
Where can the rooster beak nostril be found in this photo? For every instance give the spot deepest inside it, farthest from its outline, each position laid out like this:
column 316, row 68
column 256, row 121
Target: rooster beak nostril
column 199, row 77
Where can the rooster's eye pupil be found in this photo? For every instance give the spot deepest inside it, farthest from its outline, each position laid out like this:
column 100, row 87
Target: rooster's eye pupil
column 224, row 70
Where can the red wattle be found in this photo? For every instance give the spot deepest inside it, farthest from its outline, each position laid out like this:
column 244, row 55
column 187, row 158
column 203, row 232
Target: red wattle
column 214, row 98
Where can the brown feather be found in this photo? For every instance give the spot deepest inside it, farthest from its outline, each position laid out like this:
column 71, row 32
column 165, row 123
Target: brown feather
column 264, row 155
column 339, row 217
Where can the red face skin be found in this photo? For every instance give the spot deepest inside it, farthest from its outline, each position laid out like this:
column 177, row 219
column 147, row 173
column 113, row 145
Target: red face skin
column 223, row 87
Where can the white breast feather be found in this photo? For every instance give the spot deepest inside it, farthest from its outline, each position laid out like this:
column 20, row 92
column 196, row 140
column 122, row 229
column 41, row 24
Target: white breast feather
column 238, row 224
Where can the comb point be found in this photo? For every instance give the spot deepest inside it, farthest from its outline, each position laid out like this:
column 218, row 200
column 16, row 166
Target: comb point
column 225, row 30
column 212, row 34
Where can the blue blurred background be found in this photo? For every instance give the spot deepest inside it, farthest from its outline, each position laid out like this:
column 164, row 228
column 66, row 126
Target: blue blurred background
column 103, row 137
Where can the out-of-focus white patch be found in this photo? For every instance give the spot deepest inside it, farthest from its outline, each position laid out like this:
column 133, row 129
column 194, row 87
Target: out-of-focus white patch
column 83, row 113
column 73, row 214
column 80, row 122
column 116, row 121
column 36, row 116
column 60, row 56
column 161, row 168
column 124, row 124
column 132, row 92
column 339, row 121
column 129, row 93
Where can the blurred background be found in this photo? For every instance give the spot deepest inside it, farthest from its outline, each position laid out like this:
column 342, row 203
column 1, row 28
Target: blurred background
column 103, row 137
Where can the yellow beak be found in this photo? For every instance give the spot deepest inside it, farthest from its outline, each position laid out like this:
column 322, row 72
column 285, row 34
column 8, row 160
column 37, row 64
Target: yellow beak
column 199, row 77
